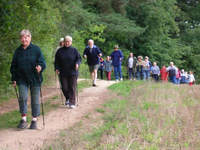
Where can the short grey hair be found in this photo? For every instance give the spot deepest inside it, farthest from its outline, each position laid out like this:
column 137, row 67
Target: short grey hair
column 67, row 37
column 90, row 40
column 25, row 32
column 171, row 63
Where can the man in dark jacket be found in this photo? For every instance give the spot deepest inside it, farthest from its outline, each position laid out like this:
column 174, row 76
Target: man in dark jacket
column 92, row 53
column 26, row 69
column 67, row 61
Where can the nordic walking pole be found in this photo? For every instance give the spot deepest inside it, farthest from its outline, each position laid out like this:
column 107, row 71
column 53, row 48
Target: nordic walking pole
column 16, row 92
column 77, row 92
column 61, row 96
column 60, row 87
column 41, row 100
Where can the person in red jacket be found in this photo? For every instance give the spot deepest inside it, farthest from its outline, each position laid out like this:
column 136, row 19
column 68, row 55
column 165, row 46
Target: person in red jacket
column 164, row 74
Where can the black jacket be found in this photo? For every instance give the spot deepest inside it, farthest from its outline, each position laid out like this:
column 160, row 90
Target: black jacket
column 66, row 59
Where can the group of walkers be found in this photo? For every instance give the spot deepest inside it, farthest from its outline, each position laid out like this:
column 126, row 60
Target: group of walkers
column 140, row 69
column 28, row 64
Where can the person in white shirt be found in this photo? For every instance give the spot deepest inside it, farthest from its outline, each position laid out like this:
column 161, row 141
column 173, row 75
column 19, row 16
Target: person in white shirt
column 191, row 78
column 131, row 64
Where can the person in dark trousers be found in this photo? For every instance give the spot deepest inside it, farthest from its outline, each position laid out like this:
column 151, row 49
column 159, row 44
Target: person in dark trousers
column 131, row 65
column 67, row 62
column 26, row 72
column 92, row 53
column 117, row 57
column 101, row 67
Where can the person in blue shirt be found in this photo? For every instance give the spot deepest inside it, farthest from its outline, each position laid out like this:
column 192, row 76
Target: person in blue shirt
column 117, row 57
column 155, row 71
column 93, row 54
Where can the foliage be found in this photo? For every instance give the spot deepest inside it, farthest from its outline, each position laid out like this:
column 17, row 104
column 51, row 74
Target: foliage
column 163, row 30
column 40, row 17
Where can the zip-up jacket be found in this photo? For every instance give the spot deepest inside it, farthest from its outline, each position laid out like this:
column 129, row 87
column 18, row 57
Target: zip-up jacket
column 117, row 57
column 23, row 65
column 66, row 59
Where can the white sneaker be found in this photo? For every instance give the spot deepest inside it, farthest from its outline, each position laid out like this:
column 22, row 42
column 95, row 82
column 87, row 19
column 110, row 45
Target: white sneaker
column 121, row 79
column 117, row 80
column 67, row 103
column 72, row 106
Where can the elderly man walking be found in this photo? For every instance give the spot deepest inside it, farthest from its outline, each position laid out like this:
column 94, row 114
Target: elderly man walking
column 26, row 69
column 67, row 62
column 93, row 54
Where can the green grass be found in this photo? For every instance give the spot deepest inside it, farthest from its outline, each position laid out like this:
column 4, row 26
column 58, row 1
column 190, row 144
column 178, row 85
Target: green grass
column 7, row 94
column 124, row 88
column 150, row 116
column 83, row 84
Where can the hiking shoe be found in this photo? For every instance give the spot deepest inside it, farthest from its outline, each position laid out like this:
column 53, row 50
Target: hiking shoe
column 22, row 124
column 72, row 106
column 33, row 125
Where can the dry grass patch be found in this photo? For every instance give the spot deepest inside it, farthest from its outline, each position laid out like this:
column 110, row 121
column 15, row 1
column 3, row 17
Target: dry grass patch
column 150, row 116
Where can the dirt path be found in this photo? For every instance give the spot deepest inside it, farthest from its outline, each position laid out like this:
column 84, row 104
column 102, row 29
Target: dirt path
column 47, row 91
column 61, row 118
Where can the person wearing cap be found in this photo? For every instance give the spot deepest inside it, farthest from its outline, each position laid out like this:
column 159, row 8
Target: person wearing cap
column 117, row 57
column 92, row 53
column 26, row 69
column 67, row 62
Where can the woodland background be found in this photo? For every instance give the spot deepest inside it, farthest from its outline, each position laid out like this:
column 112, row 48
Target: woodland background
column 164, row 30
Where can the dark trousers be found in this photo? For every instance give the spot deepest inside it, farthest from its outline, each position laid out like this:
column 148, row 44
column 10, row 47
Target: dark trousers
column 173, row 79
column 131, row 73
column 101, row 73
column 69, row 85
column 155, row 77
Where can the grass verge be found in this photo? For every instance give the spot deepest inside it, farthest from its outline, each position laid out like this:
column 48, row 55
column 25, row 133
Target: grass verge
column 150, row 116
